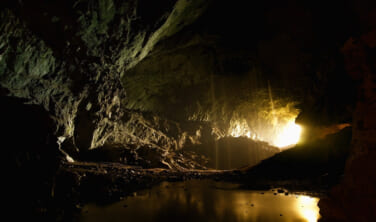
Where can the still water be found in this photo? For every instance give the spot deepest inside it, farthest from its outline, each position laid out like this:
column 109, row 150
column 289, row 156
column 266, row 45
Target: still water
column 206, row 201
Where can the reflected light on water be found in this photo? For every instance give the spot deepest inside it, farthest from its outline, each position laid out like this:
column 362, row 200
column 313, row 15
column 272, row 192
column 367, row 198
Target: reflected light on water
column 201, row 200
column 308, row 208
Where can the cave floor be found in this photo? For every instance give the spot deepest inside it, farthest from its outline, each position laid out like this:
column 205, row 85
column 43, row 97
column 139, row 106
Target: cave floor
column 114, row 180
column 205, row 200
column 139, row 173
column 103, row 184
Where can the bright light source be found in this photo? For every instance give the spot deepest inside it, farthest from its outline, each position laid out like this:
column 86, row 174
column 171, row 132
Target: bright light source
column 283, row 137
column 272, row 122
column 288, row 135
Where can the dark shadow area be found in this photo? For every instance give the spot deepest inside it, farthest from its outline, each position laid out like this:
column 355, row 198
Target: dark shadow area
column 31, row 158
column 319, row 164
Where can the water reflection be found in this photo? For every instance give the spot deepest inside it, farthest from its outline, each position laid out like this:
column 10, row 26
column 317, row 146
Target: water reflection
column 308, row 208
column 206, row 201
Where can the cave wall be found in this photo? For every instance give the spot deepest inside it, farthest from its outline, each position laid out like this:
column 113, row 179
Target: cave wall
column 354, row 199
column 98, row 66
column 68, row 56
column 220, row 68
column 178, row 59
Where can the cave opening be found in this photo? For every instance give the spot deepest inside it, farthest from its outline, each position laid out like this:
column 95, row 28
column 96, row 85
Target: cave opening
column 189, row 110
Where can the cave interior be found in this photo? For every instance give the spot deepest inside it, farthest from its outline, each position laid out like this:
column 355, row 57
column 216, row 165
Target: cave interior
column 101, row 99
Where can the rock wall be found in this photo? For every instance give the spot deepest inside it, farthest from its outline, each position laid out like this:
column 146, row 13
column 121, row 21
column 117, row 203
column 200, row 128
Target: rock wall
column 179, row 59
column 68, row 56
column 220, row 68
column 354, row 199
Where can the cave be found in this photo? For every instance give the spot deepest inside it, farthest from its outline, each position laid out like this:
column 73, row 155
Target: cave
column 188, row 110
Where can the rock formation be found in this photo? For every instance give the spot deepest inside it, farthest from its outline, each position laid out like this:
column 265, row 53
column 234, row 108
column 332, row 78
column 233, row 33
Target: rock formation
column 68, row 56
column 354, row 199
column 147, row 82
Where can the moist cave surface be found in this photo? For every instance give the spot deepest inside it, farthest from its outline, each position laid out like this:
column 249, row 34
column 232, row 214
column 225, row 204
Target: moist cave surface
column 107, row 103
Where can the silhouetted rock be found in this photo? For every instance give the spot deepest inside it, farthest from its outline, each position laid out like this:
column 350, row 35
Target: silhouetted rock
column 354, row 199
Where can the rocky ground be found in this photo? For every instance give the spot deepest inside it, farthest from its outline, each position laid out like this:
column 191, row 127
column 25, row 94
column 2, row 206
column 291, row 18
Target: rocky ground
column 81, row 182
column 103, row 183
column 78, row 183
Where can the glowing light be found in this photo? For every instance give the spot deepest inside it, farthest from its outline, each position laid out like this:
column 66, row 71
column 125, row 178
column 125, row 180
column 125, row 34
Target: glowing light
column 307, row 206
column 240, row 128
column 284, row 136
column 239, row 131
column 288, row 135
column 248, row 135
column 268, row 120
